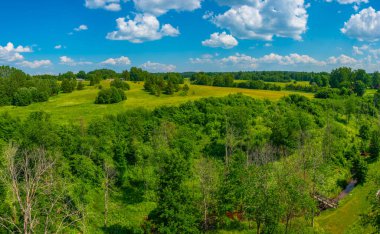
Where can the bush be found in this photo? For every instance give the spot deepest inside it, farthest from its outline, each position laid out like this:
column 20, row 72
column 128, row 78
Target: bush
column 68, row 85
column 80, row 86
column 110, row 96
column 119, row 84
column 23, row 97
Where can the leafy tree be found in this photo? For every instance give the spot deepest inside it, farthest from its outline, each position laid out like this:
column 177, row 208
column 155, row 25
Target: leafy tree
column 359, row 168
column 80, row 85
column 137, row 74
column 110, row 96
column 82, row 75
column 23, row 97
column 359, row 88
column 175, row 212
column 68, row 85
column 125, row 75
column 119, row 84
column 376, row 80
column 185, row 89
column 374, row 145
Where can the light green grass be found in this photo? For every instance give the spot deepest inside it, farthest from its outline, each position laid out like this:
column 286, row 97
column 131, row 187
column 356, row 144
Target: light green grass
column 347, row 215
column 370, row 92
column 79, row 105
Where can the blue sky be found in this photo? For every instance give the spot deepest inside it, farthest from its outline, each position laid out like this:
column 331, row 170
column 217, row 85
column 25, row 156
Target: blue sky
column 53, row 36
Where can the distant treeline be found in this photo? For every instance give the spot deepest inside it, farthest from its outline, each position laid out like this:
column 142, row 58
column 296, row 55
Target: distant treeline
column 341, row 81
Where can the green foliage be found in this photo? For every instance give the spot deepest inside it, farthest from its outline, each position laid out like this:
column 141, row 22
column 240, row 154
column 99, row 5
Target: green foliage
column 80, row 85
column 174, row 212
column 137, row 74
column 374, row 145
column 359, row 88
column 233, row 162
column 359, row 168
column 119, row 84
column 68, row 85
column 110, row 96
column 23, row 97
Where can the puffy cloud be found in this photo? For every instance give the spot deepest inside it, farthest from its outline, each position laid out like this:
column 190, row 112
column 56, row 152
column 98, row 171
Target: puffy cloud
column 110, row 5
column 291, row 59
column 160, row 7
column 36, row 63
column 364, row 26
column 244, row 61
column 360, row 50
column 366, row 50
column 64, row 60
column 81, row 28
column 206, row 58
column 57, row 47
column 10, row 53
column 342, row 60
column 158, row 67
column 349, row 1
column 117, row 61
column 222, row 40
column 240, row 60
column 143, row 27
column 257, row 19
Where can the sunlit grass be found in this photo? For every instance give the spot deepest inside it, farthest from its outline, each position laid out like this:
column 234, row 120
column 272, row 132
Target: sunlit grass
column 79, row 105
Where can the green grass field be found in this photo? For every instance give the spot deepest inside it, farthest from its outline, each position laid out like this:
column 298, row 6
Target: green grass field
column 79, row 105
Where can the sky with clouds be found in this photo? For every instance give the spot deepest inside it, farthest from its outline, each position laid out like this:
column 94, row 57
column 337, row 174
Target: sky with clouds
column 53, row 36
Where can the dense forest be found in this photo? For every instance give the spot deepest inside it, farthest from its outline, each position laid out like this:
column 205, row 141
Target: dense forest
column 219, row 163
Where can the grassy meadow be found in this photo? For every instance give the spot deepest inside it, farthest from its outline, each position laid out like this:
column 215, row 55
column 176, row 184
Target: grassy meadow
column 79, row 105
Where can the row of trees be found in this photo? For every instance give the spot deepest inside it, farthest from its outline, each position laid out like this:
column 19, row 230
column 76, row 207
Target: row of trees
column 219, row 163
column 20, row 89
column 341, row 81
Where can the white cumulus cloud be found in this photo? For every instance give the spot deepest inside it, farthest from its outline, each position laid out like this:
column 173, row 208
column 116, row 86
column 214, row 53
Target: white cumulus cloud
column 349, row 1
column 117, row 61
column 109, row 5
column 65, row 60
column 222, row 40
column 158, row 67
column 144, row 27
column 10, row 53
column 257, row 19
column 82, row 27
column 363, row 26
column 342, row 60
column 35, row 64
column 160, row 7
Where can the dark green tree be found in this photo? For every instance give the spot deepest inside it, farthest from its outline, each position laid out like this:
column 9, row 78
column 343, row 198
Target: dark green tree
column 175, row 212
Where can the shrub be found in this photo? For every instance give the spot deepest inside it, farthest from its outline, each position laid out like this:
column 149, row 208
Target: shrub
column 80, row 86
column 119, row 84
column 110, row 96
column 23, row 97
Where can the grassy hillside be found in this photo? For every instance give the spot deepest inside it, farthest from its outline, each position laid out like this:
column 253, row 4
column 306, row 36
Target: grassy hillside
column 79, row 105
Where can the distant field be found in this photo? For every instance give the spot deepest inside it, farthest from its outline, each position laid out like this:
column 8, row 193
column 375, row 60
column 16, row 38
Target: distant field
column 283, row 84
column 79, row 105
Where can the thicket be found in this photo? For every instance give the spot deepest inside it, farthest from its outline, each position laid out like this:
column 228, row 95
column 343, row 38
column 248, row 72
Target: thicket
column 231, row 163
column 110, row 96
column 20, row 89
